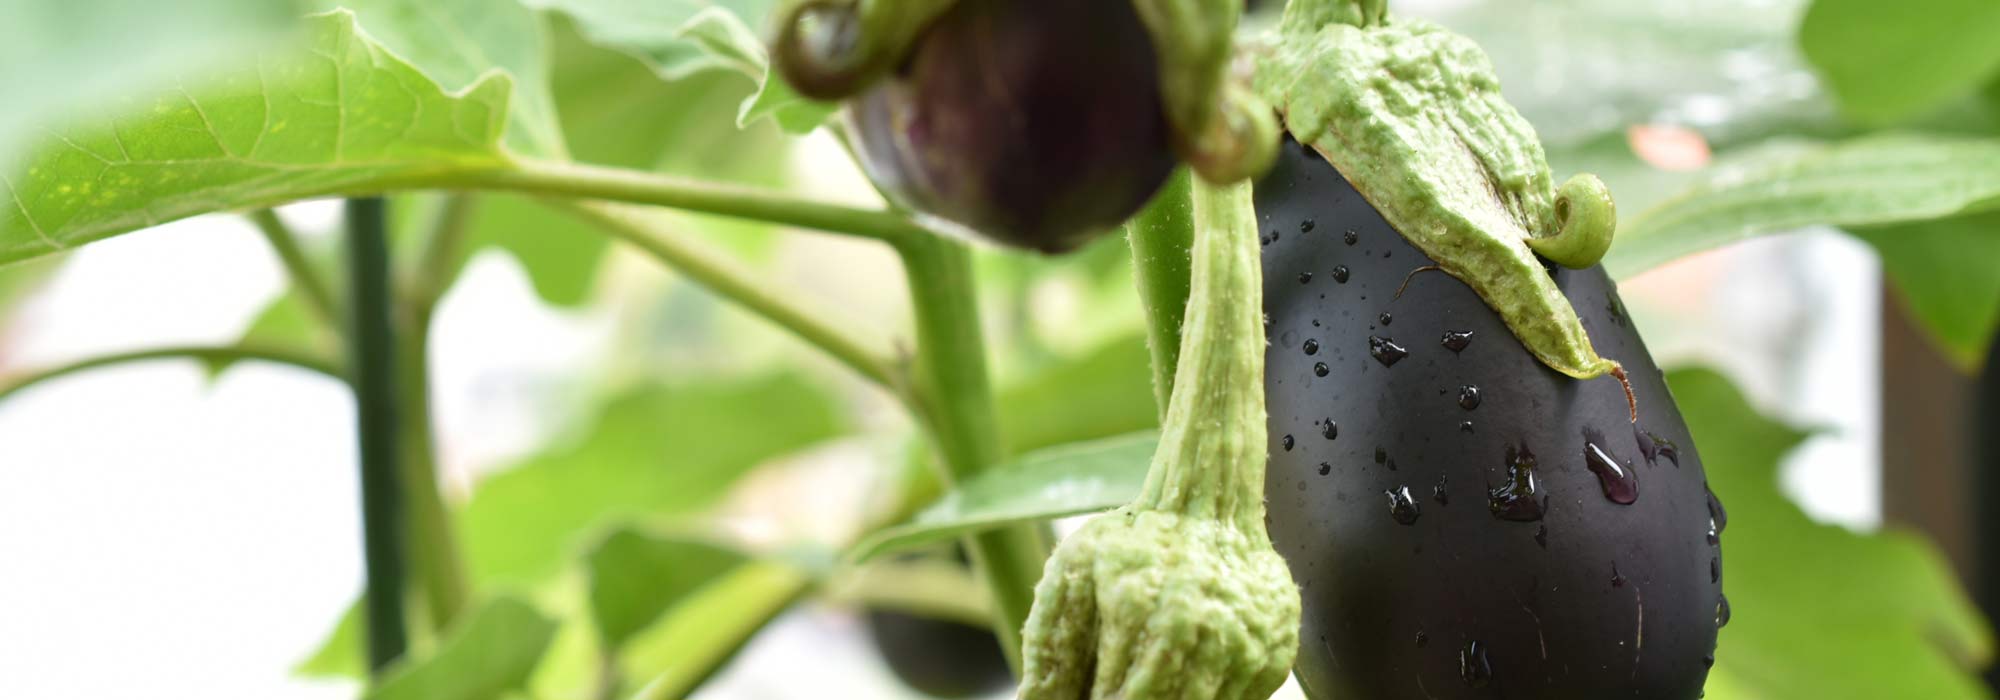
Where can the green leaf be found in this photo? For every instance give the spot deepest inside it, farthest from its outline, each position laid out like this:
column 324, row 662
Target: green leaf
column 490, row 653
column 635, row 577
column 337, row 113
column 683, row 37
column 1947, row 273
column 59, row 59
column 653, row 451
column 457, row 43
column 1052, row 483
column 1885, row 179
column 1821, row 611
column 617, row 112
column 1886, row 66
column 339, row 654
column 675, row 654
column 1105, row 392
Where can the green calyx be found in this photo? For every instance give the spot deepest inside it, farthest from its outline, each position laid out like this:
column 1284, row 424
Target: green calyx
column 1179, row 593
column 1412, row 115
column 834, row 49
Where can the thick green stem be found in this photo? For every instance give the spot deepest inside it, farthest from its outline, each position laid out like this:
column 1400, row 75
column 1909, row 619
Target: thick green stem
column 594, row 182
column 285, row 244
column 956, row 403
column 1162, row 238
column 208, row 354
column 372, row 352
column 724, row 277
column 1210, row 462
column 434, row 551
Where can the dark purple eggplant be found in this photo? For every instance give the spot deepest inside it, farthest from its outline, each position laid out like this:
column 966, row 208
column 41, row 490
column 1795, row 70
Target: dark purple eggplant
column 1464, row 522
column 1035, row 123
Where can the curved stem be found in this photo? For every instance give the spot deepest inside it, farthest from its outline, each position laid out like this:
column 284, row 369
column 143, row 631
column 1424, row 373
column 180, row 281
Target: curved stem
column 724, row 277
column 434, row 550
column 635, row 187
column 286, row 244
column 208, row 354
column 955, row 401
column 438, row 264
column 1162, row 239
column 372, row 350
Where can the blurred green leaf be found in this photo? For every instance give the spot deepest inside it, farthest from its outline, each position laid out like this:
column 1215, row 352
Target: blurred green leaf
column 1821, row 611
column 337, row 111
column 635, row 577
column 491, row 652
column 1947, row 273
column 652, row 451
column 680, row 38
column 1052, row 483
column 1108, row 391
column 459, row 42
column 617, row 112
column 60, row 59
column 1916, row 56
column 1883, row 179
column 339, row 654
column 685, row 646
column 1583, row 69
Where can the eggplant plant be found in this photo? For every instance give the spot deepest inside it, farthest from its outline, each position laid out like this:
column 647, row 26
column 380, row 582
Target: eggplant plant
column 1353, row 399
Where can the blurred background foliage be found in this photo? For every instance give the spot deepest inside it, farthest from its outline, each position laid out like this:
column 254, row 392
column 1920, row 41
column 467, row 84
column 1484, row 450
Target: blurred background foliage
column 707, row 472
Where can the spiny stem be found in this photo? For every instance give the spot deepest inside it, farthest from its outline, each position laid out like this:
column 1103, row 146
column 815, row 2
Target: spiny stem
column 285, row 243
column 1211, row 457
column 726, row 278
column 372, row 352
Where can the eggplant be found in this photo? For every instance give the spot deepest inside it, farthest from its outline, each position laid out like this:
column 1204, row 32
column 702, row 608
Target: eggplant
column 1034, row 123
column 1463, row 521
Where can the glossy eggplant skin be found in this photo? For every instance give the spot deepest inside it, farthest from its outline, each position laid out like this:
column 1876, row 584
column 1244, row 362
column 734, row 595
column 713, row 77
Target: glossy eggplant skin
column 1593, row 600
column 940, row 658
column 1035, row 123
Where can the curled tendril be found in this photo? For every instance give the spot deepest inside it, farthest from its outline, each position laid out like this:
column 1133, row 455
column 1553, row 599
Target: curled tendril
column 1585, row 219
column 833, row 49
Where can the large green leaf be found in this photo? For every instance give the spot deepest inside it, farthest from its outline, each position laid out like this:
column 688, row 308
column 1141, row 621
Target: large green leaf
column 1052, row 483
column 653, row 451
column 59, row 59
column 1947, row 274
column 336, row 113
column 1884, row 179
column 1886, row 66
column 634, row 577
column 679, row 38
column 459, row 42
column 1820, row 611
column 488, row 654
column 1107, row 391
